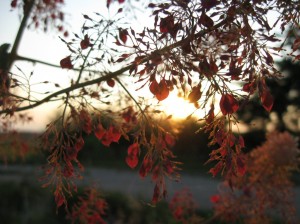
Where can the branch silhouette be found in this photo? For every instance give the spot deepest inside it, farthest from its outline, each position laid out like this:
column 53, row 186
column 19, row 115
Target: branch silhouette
column 108, row 76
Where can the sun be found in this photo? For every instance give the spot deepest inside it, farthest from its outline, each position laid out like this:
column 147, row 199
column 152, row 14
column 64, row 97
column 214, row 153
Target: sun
column 179, row 107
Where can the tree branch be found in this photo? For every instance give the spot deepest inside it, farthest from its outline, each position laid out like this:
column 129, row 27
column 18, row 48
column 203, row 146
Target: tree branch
column 109, row 75
column 27, row 10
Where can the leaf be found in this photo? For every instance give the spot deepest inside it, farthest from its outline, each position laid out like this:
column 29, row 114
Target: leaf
column 206, row 21
column 108, row 2
column 160, row 90
column 250, row 87
column 79, row 144
column 99, row 132
column 156, row 172
column 228, row 104
column 296, row 44
column 266, row 99
column 216, row 169
column 114, row 134
column 169, row 140
column 211, row 114
column 166, row 24
column 163, row 90
column 208, row 4
column 59, row 199
column 133, row 149
column 215, row 198
column 145, row 168
column 85, row 43
column 269, row 59
column 241, row 141
column 168, row 167
column 195, row 94
column 123, row 35
column 154, row 87
column 156, row 194
column 132, row 161
column 241, row 167
column 110, row 82
column 66, row 63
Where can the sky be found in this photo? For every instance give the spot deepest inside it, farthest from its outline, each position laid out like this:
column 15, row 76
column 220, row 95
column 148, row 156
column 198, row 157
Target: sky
column 48, row 47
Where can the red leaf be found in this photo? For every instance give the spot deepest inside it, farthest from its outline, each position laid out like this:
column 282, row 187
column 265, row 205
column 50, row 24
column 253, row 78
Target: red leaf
column 168, row 167
column 108, row 3
column 100, row 131
column 220, row 135
column 132, row 161
column 85, row 43
column 154, row 87
column 215, row 198
column 114, row 134
column 249, row 87
column 206, row 20
column 156, row 194
column 266, row 99
column 106, row 141
column 211, row 114
column 123, row 35
column 133, row 149
column 156, row 172
column 230, row 139
column 241, row 167
column 208, row 4
column 241, row 141
column 79, row 144
column 110, row 82
column 163, row 90
column 13, row 3
column 146, row 167
column 169, row 140
column 228, row 104
column 296, row 44
column 121, row 1
column 216, row 169
column 269, row 59
column 59, row 199
column 195, row 94
column 166, row 24
column 66, row 63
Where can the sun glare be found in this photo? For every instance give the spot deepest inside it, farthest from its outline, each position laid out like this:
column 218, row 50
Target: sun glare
column 179, row 107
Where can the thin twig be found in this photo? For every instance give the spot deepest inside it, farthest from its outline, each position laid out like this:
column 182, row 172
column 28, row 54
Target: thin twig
column 111, row 75
column 130, row 95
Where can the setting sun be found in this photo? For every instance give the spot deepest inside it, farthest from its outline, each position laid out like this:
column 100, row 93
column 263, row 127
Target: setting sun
column 179, row 107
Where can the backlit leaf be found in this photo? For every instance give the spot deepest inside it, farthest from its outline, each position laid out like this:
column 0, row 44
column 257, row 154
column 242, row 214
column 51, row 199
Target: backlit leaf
column 228, row 104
